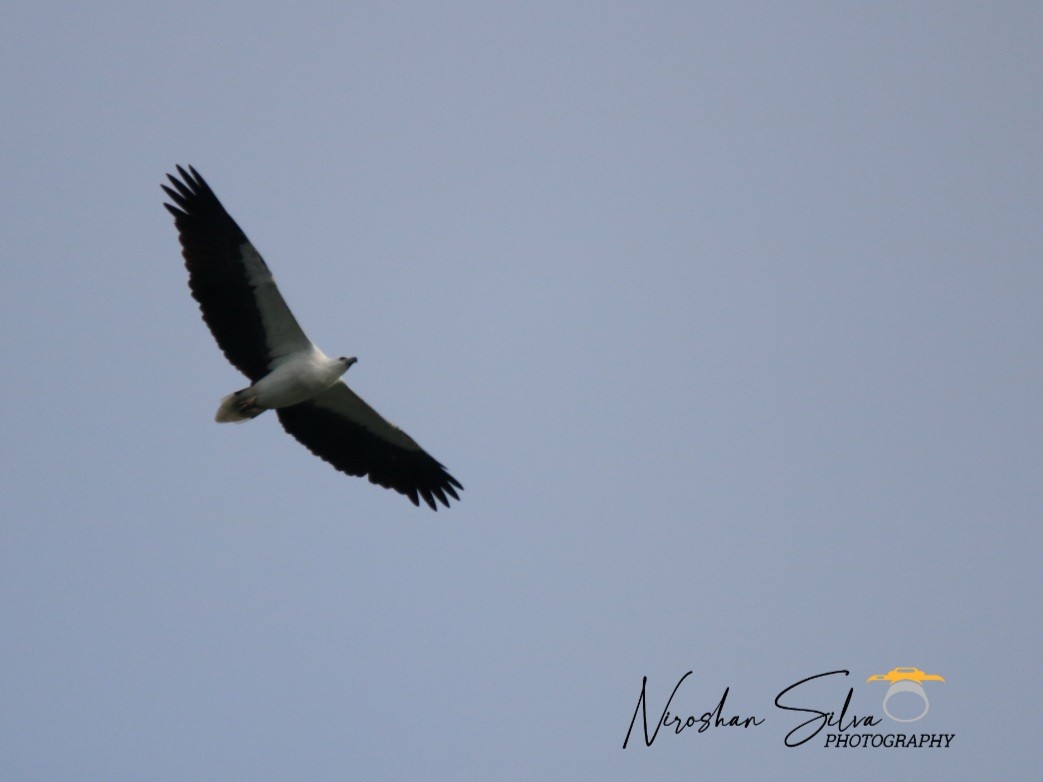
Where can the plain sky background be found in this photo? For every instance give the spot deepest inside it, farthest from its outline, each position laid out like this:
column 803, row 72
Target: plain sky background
column 726, row 315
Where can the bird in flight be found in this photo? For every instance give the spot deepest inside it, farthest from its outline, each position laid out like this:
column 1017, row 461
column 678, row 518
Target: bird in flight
column 288, row 373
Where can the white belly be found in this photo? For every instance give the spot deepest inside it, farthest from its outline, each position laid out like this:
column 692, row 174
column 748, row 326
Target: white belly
column 297, row 380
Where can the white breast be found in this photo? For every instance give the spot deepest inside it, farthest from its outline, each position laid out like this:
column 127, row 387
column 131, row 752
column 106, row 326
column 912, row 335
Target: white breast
column 297, row 378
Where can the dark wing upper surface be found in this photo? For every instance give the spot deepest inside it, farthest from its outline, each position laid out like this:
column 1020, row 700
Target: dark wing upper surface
column 341, row 428
column 235, row 290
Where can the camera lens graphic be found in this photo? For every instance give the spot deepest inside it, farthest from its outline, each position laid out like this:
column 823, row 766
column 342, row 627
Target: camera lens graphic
column 906, row 686
column 907, row 683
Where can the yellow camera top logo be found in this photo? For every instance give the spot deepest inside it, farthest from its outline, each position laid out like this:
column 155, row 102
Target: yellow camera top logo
column 905, row 675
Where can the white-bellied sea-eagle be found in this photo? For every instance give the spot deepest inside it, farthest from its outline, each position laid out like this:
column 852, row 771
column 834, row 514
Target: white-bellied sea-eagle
column 288, row 374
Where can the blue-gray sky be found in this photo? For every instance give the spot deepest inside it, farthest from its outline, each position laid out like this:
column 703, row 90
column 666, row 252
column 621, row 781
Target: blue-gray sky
column 726, row 315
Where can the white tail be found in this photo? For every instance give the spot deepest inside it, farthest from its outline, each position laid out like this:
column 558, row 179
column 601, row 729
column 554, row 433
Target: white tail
column 229, row 413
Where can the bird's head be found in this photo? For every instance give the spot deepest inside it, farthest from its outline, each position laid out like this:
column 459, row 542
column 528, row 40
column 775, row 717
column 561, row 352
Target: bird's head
column 347, row 362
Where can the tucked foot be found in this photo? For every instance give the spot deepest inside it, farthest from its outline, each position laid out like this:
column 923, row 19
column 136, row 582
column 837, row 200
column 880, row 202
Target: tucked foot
column 238, row 407
column 248, row 407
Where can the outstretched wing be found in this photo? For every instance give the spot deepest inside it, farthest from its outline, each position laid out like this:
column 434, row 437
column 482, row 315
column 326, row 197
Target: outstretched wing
column 349, row 434
column 235, row 290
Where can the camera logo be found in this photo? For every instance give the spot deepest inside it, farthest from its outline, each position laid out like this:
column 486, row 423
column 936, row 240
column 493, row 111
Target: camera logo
column 906, row 680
